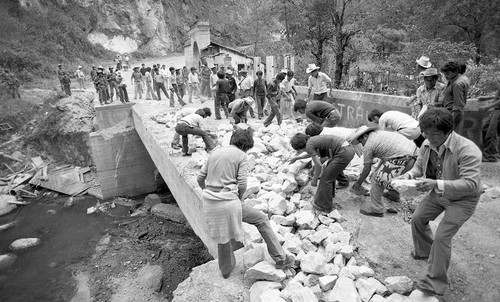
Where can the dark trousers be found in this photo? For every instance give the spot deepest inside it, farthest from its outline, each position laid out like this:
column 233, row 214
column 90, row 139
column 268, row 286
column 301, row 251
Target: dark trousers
column 184, row 129
column 458, row 120
column 161, row 87
column 205, row 87
column 456, row 213
column 261, row 103
column 182, row 90
column 275, row 111
column 175, row 89
column 221, row 101
column 320, row 96
column 122, row 89
column 67, row 89
column 491, row 130
column 326, row 187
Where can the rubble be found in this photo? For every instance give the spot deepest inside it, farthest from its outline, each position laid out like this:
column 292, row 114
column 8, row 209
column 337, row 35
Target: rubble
column 6, row 205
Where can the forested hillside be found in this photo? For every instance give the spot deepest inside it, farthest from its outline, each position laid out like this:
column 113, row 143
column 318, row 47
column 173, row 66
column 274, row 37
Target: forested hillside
column 363, row 44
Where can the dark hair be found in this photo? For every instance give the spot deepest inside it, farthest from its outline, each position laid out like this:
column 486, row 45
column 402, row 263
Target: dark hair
column 290, row 73
column 463, row 68
column 192, row 68
column 280, row 76
column 451, row 66
column 148, row 69
column 242, row 139
column 207, row 111
column 221, row 74
column 259, row 72
column 299, row 104
column 200, row 112
column 171, row 68
column 299, row 141
column 436, row 118
column 313, row 129
column 374, row 113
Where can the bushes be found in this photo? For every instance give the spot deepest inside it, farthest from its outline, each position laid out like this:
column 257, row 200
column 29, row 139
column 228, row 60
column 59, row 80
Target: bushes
column 485, row 79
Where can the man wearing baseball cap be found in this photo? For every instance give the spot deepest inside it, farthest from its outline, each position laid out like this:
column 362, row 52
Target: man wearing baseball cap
column 430, row 93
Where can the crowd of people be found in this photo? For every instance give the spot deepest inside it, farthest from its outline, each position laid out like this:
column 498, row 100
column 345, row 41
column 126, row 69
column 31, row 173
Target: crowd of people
column 425, row 147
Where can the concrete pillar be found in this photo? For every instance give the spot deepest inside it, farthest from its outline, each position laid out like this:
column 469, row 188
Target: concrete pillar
column 270, row 68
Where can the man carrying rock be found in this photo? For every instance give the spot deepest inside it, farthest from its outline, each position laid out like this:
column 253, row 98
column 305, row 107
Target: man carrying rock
column 397, row 121
column 396, row 154
column 239, row 108
column 320, row 112
column 449, row 165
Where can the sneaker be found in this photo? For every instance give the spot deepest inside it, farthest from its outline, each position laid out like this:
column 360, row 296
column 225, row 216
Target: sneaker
column 367, row 213
column 287, row 262
column 341, row 186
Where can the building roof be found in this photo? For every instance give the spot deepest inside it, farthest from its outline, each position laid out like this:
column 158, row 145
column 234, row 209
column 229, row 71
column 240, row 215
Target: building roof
column 213, row 44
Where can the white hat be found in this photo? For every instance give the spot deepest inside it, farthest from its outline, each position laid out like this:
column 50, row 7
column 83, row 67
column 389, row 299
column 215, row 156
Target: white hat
column 229, row 71
column 353, row 138
column 429, row 72
column 284, row 70
column 249, row 100
column 424, row 62
column 311, row 68
column 79, row 67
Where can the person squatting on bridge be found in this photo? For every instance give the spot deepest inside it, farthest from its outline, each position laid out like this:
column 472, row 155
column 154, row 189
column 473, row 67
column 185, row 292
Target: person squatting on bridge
column 491, row 128
column 185, row 111
column 398, row 121
column 223, row 179
column 330, row 155
column 449, row 165
column 192, row 124
column 320, row 112
column 396, row 154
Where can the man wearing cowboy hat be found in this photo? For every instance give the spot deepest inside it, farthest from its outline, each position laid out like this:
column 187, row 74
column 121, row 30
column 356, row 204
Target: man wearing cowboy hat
column 239, row 108
column 396, row 157
column 430, row 93
column 318, row 83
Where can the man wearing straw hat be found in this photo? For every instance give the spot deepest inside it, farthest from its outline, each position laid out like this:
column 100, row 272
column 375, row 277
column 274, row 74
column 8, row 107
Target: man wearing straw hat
column 318, row 83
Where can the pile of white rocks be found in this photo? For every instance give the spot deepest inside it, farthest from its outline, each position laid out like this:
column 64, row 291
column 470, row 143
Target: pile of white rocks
column 325, row 265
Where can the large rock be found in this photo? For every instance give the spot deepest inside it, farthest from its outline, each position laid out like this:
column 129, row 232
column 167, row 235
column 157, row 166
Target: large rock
column 292, row 244
column 253, row 186
column 259, row 287
column 361, row 271
column 306, row 220
column 399, row 284
column 295, row 292
column 377, row 298
column 264, row 271
column 253, row 256
column 211, row 286
column 347, row 251
column 6, row 261
column 319, row 236
column 277, row 205
column 5, row 206
column 327, row 282
column 395, row 297
column 151, row 200
column 366, row 289
column 251, row 233
column 418, row 296
column 169, row 211
column 24, row 243
column 313, row 263
column 343, row 291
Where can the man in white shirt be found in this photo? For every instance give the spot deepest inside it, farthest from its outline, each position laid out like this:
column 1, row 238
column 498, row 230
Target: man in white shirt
column 193, row 124
column 193, row 84
column 398, row 121
column 246, row 88
column 318, row 83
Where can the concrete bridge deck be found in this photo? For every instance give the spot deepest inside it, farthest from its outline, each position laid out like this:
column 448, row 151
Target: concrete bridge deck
column 128, row 167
